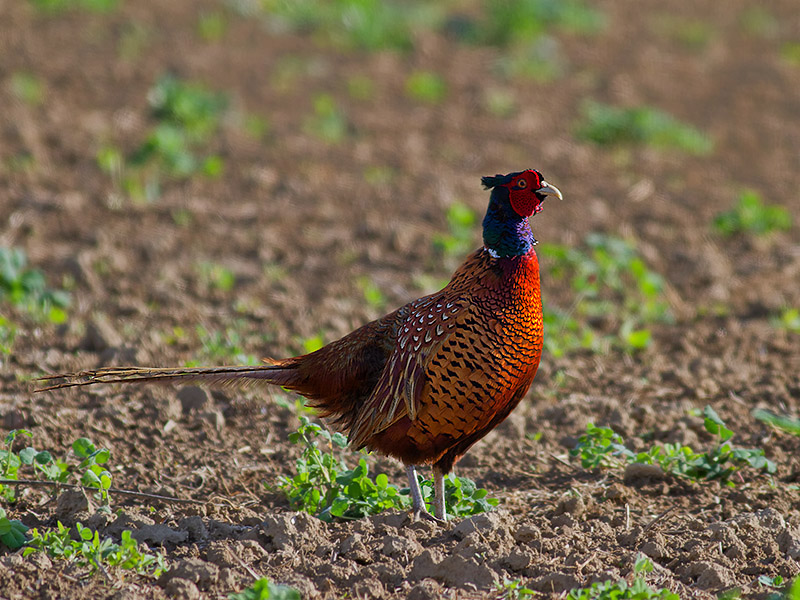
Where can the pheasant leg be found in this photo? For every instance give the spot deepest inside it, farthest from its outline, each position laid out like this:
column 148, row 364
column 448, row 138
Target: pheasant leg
column 438, row 499
column 417, row 503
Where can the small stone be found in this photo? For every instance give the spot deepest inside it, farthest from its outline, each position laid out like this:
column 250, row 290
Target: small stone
column 427, row 589
column 789, row 542
column 195, row 527
column 480, row 522
column 194, row 399
column 641, row 473
column 518, row 559
column 526, row 534
column 200, row 572
column 70, row 504
column 368, row 588
column 182, row 589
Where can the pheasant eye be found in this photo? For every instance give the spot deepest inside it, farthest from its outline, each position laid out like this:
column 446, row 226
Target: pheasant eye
column 522, row 184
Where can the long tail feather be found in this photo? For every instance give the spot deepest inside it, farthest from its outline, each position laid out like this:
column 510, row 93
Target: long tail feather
column 209, row 375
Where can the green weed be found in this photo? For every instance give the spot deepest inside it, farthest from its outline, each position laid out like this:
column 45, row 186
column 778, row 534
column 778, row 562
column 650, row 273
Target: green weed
column 28, row 88
column 751, row 215
column 512, row 589
column 614, row 288
column 602, row 447
column 622, row 590
column 212, row 26
column 264, row 589
column 425, row 86
column 226, row 347
column 787, row 424
column 790, row 51
column 789, row 320
column 92, row 552
column 12, row 531
column 540, row 60
column 606, row 125
column 59, row 6
column 8, row 334
column 694, row 34
column 328, row 123
column 758, row 21
column 187, row 117
column 509, row 22
column 325, row 487
column 214, row 276
column 362, row 24
column 26, row 288
column 372, row 293
column 360, row 87
column 460, row 238
column 89, row 471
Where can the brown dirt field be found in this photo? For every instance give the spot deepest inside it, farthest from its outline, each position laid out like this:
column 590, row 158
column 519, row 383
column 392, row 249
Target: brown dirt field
column 300, row 223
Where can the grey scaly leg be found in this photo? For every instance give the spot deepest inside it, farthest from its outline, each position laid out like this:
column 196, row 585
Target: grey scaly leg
column 417, row 503
column 438, row 488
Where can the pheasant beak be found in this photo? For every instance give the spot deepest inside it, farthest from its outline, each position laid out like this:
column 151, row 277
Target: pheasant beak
column 549, row 190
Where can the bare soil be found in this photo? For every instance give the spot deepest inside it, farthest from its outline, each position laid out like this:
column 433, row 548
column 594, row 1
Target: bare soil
column 299, row 224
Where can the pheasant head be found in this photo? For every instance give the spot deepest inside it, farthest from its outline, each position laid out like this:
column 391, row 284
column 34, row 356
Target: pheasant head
column 514, row 198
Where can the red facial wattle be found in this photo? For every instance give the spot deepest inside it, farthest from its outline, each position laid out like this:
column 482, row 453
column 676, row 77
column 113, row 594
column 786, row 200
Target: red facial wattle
column 522, row 196
column 524, row 202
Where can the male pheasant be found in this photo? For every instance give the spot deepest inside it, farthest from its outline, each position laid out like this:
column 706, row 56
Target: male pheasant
column 427, row 381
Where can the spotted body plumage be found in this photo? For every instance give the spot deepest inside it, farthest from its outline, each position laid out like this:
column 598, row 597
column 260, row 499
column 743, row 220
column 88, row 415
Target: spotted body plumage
column 427, row 381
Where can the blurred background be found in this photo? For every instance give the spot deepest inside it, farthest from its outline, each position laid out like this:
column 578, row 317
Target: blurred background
column 259, row 177
column 191, row 182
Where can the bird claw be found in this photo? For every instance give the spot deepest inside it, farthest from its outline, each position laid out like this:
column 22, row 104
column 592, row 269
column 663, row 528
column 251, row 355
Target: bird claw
column 424, row 514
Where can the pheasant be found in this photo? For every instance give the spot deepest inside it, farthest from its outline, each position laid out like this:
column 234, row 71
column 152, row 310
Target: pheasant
column 425, row 382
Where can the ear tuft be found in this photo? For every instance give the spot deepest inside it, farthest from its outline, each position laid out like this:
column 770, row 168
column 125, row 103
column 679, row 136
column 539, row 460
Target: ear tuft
column 491, row 182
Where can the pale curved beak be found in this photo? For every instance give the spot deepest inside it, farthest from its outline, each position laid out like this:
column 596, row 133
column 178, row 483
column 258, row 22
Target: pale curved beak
column 549, row 190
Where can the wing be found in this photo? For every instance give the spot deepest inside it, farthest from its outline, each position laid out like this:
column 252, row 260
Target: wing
column 431, row 321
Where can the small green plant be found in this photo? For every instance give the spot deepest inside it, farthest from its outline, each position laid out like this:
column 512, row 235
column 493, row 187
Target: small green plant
column 509, row 22
column 425, row 86
column 789, row 320
column 59, row 6
column 606, row 125
column 187, row 116
column 512, row 589
column 363, row 24
column 212, row 26
column 90, row 470
column 615, row 290
column 264, row 589
column 12, row 531
column 790, row 51
column 540, row 60
column 372, row 293
column 461, row 496
column 325, row 487
column 622, row 590
column 26, row 288
column 787, row 424
column 92, row 552
column 602, row 447
column 224, row 346
column 328, row 123
column 461, row 222
column 751, row 215
column 8, row 334
column 28, row 88
column 216, row 277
